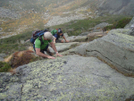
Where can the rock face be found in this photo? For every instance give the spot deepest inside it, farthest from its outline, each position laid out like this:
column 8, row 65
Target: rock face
column 61, row 47
column 124, row 7
column 128, row 26
column 115, row 48
column 100, row 26
column 7, row 13
column 68, row 78
column 95, row 35
column 56, row 20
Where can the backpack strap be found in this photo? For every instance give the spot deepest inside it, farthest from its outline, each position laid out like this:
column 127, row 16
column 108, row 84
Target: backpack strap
column 40, row 38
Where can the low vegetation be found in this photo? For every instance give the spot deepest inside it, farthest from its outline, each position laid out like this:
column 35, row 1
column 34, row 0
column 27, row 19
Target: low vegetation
column 79, row 26
column 119, row 24
column 13, row 44
column 4, row 67
column 26, row 22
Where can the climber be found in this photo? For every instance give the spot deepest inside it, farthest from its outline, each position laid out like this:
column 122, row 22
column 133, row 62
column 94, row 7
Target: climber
column 57, row 33
column 46, row 39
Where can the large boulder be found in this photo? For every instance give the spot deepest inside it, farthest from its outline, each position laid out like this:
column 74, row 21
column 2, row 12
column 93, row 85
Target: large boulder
column 80, row 38
column 2, row 56
column 128, row 26
column 77, row 38
column 84, row 37
column 100, row 27
column 61, row 47
column 69, row 78
column 95, row 35
column 115, row 48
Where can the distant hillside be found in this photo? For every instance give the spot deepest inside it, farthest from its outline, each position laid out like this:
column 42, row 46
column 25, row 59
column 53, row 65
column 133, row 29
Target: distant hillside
column 17, row 16
column 103, row 6
column 124, row 7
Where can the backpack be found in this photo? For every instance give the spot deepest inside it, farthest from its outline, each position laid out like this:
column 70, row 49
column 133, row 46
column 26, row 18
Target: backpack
column 36, row 34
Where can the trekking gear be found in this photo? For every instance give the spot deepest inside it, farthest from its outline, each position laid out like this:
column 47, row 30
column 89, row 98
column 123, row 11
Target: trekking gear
column 36, row 34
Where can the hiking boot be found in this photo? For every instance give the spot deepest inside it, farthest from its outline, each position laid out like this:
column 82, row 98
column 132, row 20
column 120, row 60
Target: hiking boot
column 50, row 53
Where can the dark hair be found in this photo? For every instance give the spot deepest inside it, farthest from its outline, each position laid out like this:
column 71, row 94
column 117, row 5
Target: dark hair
column 59, row 30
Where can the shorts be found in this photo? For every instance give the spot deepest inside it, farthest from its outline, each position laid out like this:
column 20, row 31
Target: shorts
column 42, row 50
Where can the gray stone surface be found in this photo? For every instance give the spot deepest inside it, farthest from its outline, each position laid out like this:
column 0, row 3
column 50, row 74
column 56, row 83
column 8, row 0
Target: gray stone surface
column 56, row 20
column 115, row 48
column 84, row 34
column 100, row 26
column 64, row 46
column 116, row 7
column 128, row 26
column 80, row 38
column 121, row 30
column 10, row 87
column 77, row 38
column 94, row 35
column 2, row 56
column 69, row 78
column 7, row 13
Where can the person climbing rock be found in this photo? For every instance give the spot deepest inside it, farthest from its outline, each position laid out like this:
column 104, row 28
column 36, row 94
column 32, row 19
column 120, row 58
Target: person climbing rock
column 41, row 45
column 57, row 33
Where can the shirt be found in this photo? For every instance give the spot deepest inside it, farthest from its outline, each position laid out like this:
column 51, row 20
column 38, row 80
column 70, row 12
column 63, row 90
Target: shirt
column 38, row 43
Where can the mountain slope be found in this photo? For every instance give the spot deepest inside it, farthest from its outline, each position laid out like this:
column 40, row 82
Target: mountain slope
column 124, row 7
column 103, row 6
column 17, row 16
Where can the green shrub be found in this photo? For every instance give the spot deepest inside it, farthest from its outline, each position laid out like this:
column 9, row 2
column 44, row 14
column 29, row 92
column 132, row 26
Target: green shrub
column 118, row 24
column 4, row 67
column 123, row 22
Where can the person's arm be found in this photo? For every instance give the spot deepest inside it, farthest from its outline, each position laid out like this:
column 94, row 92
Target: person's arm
column 54, row 48
column 54, row 40
column 65, row 39
column 43, row 55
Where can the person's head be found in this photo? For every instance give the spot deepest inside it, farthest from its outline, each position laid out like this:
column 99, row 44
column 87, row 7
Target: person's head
column 59, row 30
column 48, row 36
